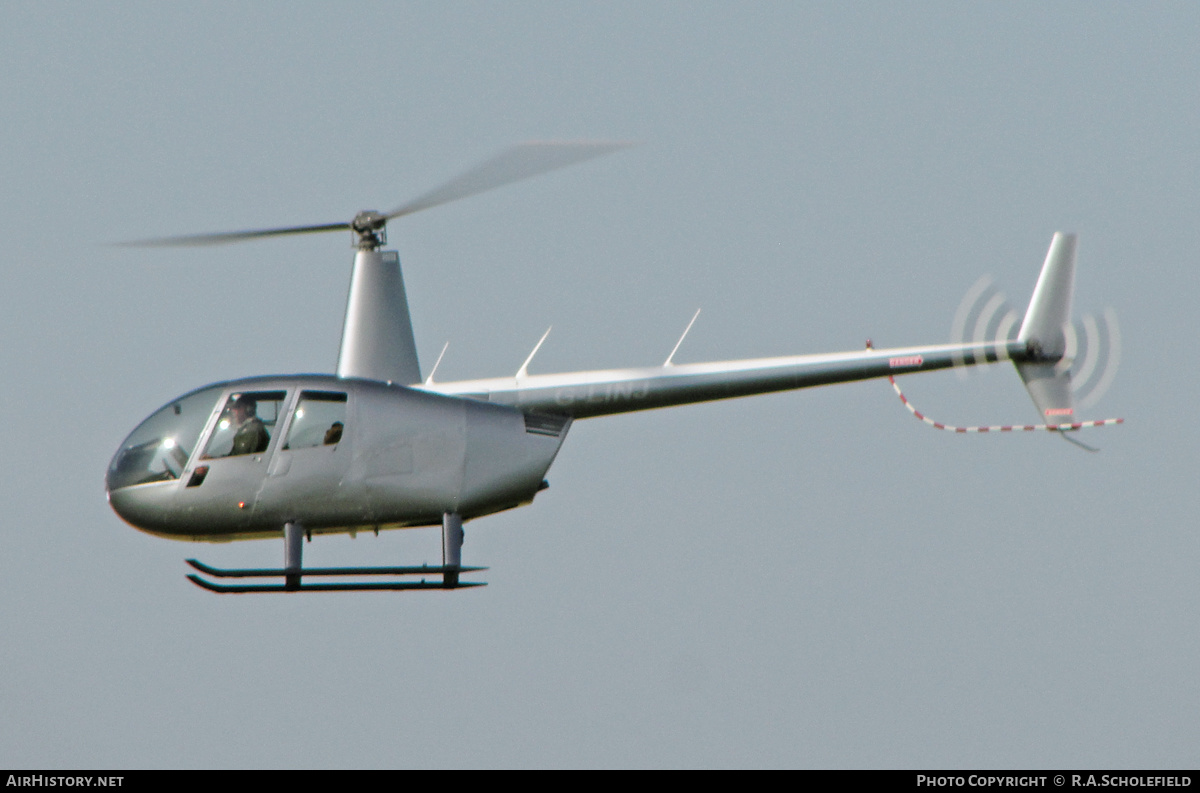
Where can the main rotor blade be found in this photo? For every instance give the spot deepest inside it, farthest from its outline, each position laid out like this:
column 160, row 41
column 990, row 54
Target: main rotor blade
column 511, row 165
column 231, row 236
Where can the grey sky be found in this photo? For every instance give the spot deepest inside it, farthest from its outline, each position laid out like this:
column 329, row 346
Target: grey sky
column 803, row 579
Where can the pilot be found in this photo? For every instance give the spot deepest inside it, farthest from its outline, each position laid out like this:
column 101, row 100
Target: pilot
column 251, row 436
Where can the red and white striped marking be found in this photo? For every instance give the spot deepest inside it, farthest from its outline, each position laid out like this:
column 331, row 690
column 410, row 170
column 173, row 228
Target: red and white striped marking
column 1005, row 428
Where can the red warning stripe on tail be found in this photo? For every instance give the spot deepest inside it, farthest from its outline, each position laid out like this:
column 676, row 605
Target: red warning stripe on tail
column 1001, row 428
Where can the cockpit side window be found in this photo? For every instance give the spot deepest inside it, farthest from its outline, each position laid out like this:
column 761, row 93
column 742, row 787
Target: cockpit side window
column 320, row 420
column 247, row 424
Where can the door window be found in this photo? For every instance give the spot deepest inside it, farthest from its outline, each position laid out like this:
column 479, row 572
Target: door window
column 246, row 425
column 320, row 420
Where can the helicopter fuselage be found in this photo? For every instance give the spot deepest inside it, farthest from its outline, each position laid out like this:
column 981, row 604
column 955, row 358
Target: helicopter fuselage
column 331, row 454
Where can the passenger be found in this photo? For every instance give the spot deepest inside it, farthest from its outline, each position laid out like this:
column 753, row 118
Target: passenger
column 334, row 433
column 251, row 436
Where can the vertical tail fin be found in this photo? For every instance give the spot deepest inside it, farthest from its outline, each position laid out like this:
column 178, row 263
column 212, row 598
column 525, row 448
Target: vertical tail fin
column 1046, row 375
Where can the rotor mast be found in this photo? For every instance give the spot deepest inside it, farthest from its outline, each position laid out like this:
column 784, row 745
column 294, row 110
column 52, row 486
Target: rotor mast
column 377, row 335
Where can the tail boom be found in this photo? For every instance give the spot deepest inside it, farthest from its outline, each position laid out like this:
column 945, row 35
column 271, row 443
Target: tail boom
column 606, row 392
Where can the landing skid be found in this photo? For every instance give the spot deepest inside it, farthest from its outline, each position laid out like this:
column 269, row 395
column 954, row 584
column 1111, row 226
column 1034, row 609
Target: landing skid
column 293, row 571
column 448, row 575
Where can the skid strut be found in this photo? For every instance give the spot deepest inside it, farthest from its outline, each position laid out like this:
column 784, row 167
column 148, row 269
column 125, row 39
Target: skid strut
column 293, row 571
column 452, row 541
column 293, row 551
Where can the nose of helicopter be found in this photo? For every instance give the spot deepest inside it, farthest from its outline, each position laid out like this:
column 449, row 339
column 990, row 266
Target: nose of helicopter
column 143, row 506
column 143, row 476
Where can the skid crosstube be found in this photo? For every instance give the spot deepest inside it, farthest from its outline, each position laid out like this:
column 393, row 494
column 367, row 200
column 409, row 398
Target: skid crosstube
column 292, row 578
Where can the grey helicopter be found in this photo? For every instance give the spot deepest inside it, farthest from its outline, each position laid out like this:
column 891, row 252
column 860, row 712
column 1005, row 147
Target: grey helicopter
column 376, row 446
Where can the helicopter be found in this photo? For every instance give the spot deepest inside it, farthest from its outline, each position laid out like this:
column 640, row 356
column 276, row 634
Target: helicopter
column 376, row 446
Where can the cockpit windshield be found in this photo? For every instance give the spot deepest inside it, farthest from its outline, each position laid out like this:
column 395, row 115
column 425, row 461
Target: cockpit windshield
column 159, row 448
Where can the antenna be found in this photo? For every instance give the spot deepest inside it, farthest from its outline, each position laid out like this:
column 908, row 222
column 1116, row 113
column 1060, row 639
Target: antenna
column 681, row 338
column 525, row 366
column 429, row 380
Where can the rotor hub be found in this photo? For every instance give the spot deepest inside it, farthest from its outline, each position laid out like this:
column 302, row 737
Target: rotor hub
column 371, row 228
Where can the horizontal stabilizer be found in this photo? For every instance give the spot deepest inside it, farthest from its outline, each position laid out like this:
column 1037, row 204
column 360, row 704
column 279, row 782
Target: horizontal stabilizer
column 1050, row 388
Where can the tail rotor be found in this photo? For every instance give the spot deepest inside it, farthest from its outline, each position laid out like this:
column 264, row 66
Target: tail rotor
column 1094, row 345
column 1065, row 365
column 1093, row 351
column 984, row 315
